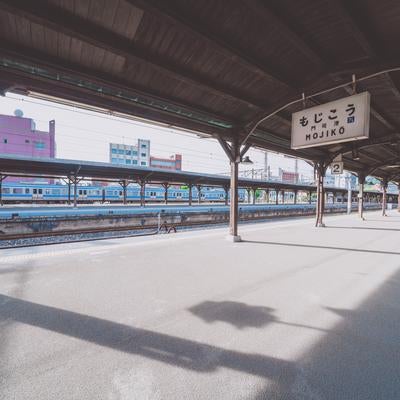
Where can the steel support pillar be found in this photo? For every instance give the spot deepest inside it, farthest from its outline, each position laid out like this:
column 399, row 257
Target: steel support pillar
column 398, row 199
column 226, row 189
column 254, row 196
column 124, row 183
column 235, row 154
column 267, row 196
column 283, row 197
column 165, row 186
column 2, row 177
column 69, row 182
column 309, row 197
column 234, row 205
column 349, row 194
column 142, row 193
column 75, row 191
column 276, row 196
column 190, row 194
column 384, row 197
column 198, row 187
column 320, row 172
column 361, row 181
column 295, row 197
column 248, row 190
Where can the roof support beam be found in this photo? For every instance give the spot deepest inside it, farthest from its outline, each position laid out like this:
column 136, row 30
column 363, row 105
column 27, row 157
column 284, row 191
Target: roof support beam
column 19, row 79
column 74, row 26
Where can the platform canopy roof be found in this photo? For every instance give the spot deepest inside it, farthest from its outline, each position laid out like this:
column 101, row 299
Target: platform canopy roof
column 216, row 67
column 57, row 168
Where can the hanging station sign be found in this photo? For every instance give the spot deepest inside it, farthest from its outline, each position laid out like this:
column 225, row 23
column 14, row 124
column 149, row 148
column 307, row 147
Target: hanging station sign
column 338, row 121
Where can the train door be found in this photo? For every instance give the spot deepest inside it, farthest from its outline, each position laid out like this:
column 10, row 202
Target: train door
column 82, row 194
column 37, row 194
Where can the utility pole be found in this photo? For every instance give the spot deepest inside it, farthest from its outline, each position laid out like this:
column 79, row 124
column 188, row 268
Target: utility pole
column 266, row 168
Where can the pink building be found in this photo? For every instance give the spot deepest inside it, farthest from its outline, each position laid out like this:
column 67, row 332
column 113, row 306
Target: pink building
column 18, row 135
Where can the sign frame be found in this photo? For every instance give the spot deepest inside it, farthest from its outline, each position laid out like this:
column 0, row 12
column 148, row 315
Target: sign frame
column 336, row 167
column 363, row 100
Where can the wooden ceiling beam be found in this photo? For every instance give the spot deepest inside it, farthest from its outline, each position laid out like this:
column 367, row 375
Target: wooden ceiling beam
column 59, row 20
column 163, row 10
column 19, row 80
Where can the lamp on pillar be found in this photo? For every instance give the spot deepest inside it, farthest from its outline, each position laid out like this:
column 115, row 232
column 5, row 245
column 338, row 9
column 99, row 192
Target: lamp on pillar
column 246, row 161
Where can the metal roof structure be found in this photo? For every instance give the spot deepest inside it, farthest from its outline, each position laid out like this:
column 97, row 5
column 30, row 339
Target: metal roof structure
column 214, row 67
column 58, row 168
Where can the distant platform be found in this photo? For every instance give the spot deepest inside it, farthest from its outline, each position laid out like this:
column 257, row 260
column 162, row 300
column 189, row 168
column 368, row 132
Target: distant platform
column 292, row 312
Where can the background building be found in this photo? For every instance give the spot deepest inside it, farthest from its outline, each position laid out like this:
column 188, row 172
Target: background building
column 126, row 154
column 172, row 163
column 18, row 136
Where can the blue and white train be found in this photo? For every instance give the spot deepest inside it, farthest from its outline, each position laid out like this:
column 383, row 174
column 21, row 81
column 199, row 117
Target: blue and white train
column 13, row 193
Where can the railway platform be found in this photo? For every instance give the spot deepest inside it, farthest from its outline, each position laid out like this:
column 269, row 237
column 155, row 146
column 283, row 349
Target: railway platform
column 292, row 312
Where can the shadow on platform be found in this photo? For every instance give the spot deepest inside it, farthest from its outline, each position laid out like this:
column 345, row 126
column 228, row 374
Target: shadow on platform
column 311, row 246
column 240, row 315
column 358, row 359
column 172, row 350
column 362, row 228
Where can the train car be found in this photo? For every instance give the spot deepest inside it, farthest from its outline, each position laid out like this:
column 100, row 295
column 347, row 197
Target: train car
column 14, row 193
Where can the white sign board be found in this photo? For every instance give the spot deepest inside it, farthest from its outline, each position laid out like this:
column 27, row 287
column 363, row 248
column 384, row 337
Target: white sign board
column 338, row 121
column 337, row 168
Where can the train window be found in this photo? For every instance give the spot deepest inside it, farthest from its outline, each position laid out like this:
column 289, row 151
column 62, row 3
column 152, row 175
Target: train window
column 48, row 191
column 85, row 192
column 6, row 190
column 40, row 191
column 80, row 192
column 17, row 190
column 120, row 192
column 56, row 191
column 178, row 194
column 27, row 191
column 34, row 191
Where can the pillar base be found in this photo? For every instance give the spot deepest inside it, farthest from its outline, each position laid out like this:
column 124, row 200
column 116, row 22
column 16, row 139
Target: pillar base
column 234, row 238
column 321, row 225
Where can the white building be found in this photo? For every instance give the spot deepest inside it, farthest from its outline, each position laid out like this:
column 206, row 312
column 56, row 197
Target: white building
column 125, row 154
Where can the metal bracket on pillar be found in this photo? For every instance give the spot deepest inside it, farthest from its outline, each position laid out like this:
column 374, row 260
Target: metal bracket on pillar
column 73, row 179
column 166, row 186
column 235, row 154
column 124, row 183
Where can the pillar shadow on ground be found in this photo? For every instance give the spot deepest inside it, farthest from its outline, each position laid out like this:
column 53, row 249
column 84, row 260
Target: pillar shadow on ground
column 363, row 228
column 171, row 350
column 358, row 359
column 240, row 315
column 310, row 246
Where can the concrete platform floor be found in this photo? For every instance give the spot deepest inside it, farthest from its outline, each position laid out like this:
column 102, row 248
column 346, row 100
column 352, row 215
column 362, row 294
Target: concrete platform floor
column 294, row 312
